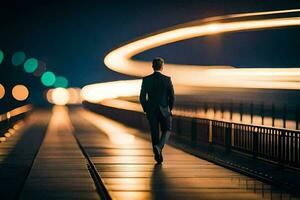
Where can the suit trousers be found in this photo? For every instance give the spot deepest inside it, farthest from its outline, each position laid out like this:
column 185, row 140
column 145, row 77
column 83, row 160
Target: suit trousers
column 158, row 121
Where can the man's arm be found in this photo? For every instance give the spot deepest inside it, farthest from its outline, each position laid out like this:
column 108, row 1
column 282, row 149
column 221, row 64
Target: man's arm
column 143, row 96
column 171, row 96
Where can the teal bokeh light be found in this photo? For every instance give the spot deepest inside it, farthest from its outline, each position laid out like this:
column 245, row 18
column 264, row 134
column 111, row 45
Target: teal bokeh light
column 1, row 56
column 48, row 78
column 61, row 82
column 18, row 58
column 31, row 65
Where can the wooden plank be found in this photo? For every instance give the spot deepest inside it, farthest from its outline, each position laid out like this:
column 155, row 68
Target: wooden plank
column 129, row 171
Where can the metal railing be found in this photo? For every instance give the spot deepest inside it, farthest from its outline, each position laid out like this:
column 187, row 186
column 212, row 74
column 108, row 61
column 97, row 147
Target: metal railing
column 278, row 145
column 8, row 119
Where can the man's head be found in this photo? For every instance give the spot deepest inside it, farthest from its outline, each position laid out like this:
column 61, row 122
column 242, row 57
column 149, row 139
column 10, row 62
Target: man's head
column 157, row 64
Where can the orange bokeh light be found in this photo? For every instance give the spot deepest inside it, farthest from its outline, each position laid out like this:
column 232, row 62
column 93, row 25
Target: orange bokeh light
column 20, row 92
column 2, row 91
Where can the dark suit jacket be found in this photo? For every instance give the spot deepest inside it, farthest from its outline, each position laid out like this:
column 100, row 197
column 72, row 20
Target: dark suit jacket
column 157, row 93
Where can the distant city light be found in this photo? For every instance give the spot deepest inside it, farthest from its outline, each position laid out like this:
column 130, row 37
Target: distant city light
column 30, row 65
column 109, row 90
column 20, row 92
column 60, row 96
column 40, row 69
column 48, row 78
column 75, row 97
column 1, row 56
column 18, row 58
column 61, row 82
column 2, row 91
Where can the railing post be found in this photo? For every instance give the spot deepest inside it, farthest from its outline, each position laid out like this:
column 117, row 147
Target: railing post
column 8, row 120
column 281, row 148
column 255, row 142
column 228, row 137
column 232, row 134
column 194, row 131
column 210, row 132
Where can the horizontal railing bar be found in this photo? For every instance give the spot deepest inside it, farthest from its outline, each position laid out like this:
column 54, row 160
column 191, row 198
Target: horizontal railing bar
column 15, row 112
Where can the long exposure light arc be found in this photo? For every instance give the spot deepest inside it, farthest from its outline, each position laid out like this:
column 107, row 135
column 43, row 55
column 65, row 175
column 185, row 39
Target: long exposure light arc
column 120, row 59
column 197, row 76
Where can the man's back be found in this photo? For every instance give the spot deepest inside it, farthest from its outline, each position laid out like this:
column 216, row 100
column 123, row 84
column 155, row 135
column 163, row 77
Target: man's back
column 157, row 91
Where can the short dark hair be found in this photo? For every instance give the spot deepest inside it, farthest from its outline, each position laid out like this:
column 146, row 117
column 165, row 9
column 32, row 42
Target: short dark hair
column 157, row 63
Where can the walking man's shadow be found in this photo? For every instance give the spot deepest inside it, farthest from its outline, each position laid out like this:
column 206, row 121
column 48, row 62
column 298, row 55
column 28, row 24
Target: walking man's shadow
column 159, row 183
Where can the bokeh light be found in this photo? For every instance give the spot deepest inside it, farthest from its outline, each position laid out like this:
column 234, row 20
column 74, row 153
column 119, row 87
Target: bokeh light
column 60, row 96
column 61, row 82
column 30, row 65
column 48, row 78
column 110, row 90
column 2, row 91
column 20, row 92
column 72, row 94
column 1, row 56
column 18, row 58
column 75, row 97
column 40, row 69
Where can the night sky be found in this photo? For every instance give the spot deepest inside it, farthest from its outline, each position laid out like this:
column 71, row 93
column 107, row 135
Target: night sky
column 72, row 37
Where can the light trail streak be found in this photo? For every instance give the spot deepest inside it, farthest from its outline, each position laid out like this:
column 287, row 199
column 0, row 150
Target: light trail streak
column 189, row 77
column 15, row 112
column 120, row 59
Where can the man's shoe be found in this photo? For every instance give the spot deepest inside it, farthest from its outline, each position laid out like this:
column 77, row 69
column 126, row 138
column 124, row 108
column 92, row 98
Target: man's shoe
column 161, row 156
column 157, row 153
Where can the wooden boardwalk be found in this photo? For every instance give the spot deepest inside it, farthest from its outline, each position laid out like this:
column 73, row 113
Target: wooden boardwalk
column 59, row 170
column 128, row 170
column 18, row 153
column 55, row 167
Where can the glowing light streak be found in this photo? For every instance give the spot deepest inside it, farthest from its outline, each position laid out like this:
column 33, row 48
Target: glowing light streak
column 15, row 112
column 62, row 96
column 120, row 59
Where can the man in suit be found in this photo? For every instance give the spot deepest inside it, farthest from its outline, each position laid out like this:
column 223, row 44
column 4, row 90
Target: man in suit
column 157, row 99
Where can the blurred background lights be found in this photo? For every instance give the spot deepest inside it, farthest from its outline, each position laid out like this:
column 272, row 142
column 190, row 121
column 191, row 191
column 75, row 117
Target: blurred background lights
column 18, row 58
column 2, row 91
column 75, row 97
column 61, row 82
column 30, row 65
column 60, row 96
column 20, row 92
column 40, row 69
column 1, row 56
column 48, row 78
column 63, row 96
